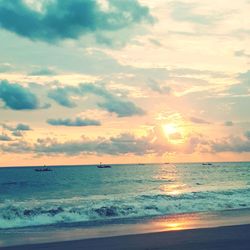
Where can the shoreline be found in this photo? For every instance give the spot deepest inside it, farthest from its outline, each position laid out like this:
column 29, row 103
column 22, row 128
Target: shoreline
column 228, row 237
column 25, row 238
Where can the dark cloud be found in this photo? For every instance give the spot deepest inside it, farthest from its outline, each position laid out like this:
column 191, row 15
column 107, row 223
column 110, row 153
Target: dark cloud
column 63, row 96
column 17, row 97
column 4, row 137
column 78, row 122
column 63, row 19
column 121, row 107
column 110, row 102
column 22, row 127
column 198, row 120
column 19, row 126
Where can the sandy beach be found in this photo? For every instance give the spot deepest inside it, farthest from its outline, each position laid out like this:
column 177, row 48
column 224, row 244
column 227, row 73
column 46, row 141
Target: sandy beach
column 217, row 230
column 230, row 238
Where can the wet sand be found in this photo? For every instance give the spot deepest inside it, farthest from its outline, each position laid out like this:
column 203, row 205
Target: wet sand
column 228, row 238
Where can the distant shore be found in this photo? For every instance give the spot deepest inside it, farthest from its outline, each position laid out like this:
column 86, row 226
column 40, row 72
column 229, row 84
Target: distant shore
column 220, row 238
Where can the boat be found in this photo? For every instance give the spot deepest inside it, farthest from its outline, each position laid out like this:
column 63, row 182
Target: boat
column 43, row 169
column 141, row 164
column 207, row 164
column 103, row 166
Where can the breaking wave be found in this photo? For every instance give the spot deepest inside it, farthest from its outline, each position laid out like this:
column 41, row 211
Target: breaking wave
column 14, row 214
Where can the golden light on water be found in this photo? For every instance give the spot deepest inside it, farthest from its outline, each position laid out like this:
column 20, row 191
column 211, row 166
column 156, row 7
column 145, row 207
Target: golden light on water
column 173, row 189
column 179, row 222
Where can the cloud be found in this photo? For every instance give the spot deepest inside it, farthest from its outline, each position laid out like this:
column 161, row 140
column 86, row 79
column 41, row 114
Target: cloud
column 5, row 67
column 19, row 146
column 43, row 72
column 239, row 144
column 111, row 102
column 198, row 120
column 18, row 127
column 245, row 77
column 121, row 108
column 243, row 87
column 228, row 123
column 17, row 97
column 247, row 134
column 78, row 122
column 184, row 12
column 17, row 133
column 241, row 53
column 62, row 19
column 155, row 86
column 63, row 96
column 4, row 137
column 123, row 144
column 23, row 127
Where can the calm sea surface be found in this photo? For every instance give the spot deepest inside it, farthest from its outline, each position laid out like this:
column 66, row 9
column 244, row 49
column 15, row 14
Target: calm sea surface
column 70, row 194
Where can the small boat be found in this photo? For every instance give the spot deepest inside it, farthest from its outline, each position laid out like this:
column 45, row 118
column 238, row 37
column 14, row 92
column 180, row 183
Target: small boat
column 207, row 164
column 141, row 164
column 103, row 166
column 43, row 169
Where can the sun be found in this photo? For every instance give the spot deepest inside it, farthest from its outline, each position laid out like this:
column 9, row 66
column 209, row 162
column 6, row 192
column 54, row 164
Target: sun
column 173, row 133
column 169, row 129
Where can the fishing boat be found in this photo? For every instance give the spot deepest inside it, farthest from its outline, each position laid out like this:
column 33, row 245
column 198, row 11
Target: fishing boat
column 43, row 169
column 103, row 166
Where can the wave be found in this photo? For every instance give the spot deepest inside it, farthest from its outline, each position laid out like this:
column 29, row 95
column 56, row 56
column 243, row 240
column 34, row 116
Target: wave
column 15, row 214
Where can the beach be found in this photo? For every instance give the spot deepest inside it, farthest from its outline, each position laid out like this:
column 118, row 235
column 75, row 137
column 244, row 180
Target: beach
column 124, row 124
column 181, row 206
column 215, row 230
column 153, row 206
column 230, row 238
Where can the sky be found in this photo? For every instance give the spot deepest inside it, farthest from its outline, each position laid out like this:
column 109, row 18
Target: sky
column 124, row 81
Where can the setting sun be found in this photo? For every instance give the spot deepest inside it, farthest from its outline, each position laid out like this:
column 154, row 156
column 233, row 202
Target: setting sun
column 169, row 129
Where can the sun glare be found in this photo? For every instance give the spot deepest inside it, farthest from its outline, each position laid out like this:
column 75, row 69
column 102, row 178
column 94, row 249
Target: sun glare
column 169, row 129
column 174, row 134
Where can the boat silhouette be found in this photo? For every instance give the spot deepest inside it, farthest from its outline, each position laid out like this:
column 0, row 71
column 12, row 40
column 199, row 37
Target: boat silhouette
column 103, row 166
column 43, row 169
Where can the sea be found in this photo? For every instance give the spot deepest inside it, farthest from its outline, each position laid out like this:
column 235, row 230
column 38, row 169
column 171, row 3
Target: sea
column 87, row 195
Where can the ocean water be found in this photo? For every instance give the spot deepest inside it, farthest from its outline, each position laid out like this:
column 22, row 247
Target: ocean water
column 87, row 194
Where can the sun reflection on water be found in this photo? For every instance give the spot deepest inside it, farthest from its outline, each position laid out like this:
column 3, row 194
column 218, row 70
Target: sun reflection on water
column 178, row 222
column 172, row 183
